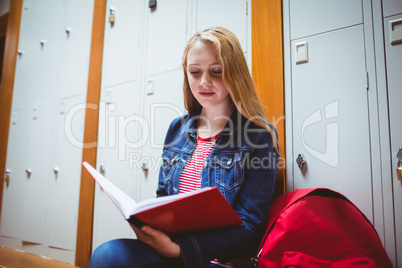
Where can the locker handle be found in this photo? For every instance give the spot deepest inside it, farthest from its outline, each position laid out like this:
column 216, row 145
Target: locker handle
column 29, row 172
column 395, row 31
column 7, row 176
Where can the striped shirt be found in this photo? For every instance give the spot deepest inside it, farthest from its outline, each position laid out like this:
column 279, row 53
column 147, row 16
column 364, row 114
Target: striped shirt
column 190, row 177
column 190, row 180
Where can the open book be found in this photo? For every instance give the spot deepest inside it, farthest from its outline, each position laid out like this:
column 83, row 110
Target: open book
column 198, row 210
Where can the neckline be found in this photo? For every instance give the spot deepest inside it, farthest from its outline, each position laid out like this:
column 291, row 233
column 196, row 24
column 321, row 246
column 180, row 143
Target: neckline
column 208, row 139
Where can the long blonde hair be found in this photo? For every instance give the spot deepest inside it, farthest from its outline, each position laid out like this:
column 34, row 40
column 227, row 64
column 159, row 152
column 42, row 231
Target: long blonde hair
column 235, row 74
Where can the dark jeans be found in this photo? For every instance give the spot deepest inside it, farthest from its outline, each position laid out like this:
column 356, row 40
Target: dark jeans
column 122, row 253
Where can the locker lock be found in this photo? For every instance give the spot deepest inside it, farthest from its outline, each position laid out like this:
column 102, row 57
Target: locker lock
column 300, row 161
column 29, row 172
column 7, row 177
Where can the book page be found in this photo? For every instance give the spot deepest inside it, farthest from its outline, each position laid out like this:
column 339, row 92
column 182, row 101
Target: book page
column 123, row 202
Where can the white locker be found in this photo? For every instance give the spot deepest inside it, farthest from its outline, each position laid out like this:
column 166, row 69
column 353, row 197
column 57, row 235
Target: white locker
column 49, row 46
column 76, row 41
column 19, row 139
column 122, row 42
column 330, row 115
column 64, row 182
column 165, row 36
column 211, row 13
column 39, row 171
column 119, row 128
column 391, row 7
column 394, row 79
column 26, row 77
column 313, row 17
column 160, row 109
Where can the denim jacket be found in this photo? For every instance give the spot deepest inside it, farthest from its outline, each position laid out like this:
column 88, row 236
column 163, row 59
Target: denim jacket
column 242, row 165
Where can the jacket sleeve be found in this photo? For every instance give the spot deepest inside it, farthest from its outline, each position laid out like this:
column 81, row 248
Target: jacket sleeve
column 252, row 205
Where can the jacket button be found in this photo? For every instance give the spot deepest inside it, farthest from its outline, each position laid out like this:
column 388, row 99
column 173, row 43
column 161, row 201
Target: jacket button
column 230, row 161
column 205, row 164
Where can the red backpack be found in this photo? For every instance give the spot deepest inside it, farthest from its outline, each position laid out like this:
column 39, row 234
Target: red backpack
column 319, row 228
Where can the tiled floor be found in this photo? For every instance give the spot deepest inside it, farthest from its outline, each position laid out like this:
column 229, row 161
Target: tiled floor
column 10, row 258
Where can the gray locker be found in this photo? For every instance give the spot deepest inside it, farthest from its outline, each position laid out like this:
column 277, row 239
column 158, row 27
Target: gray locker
column 391, row 7
column 210, row 13
column 313, row 17
column 39, row 171
column 394, row 79
column 64, row 182
column 165, row 36
column 19, row 139
column 160, row 109
column 330, row 115
column 75, row 47
column 119, row 129
column 122, row 43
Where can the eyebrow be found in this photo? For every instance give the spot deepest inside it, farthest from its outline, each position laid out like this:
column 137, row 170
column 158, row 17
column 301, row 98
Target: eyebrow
column 212, row 64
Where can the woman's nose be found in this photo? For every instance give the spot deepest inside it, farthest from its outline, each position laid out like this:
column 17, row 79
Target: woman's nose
column 205, row 80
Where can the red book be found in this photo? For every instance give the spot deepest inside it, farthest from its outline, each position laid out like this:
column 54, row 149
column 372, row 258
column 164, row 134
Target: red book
column 194, row 211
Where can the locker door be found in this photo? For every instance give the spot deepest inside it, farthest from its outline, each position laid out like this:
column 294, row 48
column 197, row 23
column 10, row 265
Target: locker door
column 165, row 36
column 160, row 109
column 64, row 182
column 76, row 41
column 391, row 7
column 119, row 112
column 310, row 17
column 39, row 171
column 229, row 14
column 49, row 44
column 18, row 144
column 122, row 42
column 394, row 67
column 330, row 113
column 27, row 71
column 118, row 136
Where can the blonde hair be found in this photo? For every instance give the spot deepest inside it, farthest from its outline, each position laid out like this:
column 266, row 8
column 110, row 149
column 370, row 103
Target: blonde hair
column 235, row 74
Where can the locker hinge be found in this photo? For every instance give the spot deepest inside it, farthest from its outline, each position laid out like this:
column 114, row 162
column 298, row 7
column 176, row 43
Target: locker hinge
column 367, row 81
column 246, row 8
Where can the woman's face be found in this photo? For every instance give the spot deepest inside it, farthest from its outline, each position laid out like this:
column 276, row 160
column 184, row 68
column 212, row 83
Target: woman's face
column 204, row 73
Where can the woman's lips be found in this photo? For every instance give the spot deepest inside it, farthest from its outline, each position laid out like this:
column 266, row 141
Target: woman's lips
column 206, row 93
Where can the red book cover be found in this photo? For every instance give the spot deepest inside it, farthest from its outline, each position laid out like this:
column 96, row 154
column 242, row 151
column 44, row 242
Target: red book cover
column 194, row 211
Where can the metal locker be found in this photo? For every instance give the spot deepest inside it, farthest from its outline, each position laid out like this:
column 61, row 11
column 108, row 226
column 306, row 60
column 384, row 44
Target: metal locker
column 165, row 36
column 38, row 173
column 17, row 159
column 160, row 109
column 391, row 7
column 64, row 182
column 123, row 42
column 119, row 128
column 393, row 69
column 330, row 115
column 229, row 14
column 75, row 48
column 27, row 72
column 313, row 17
column 49, row 47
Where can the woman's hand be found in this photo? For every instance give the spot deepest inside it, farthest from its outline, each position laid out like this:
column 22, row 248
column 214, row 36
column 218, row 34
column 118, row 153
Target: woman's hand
column 157, row 240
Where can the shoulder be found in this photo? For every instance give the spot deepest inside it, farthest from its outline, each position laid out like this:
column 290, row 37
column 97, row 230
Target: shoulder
column 177, row 128
column 255, row 134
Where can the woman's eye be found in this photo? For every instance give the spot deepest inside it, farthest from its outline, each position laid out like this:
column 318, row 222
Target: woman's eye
column 194, row 72
column 216, row 71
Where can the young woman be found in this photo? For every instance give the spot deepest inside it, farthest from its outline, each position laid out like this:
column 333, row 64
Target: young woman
column 226, row 141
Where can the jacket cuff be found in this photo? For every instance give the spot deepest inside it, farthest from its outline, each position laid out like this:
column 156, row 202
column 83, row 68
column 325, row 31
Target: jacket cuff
column 190, row 251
